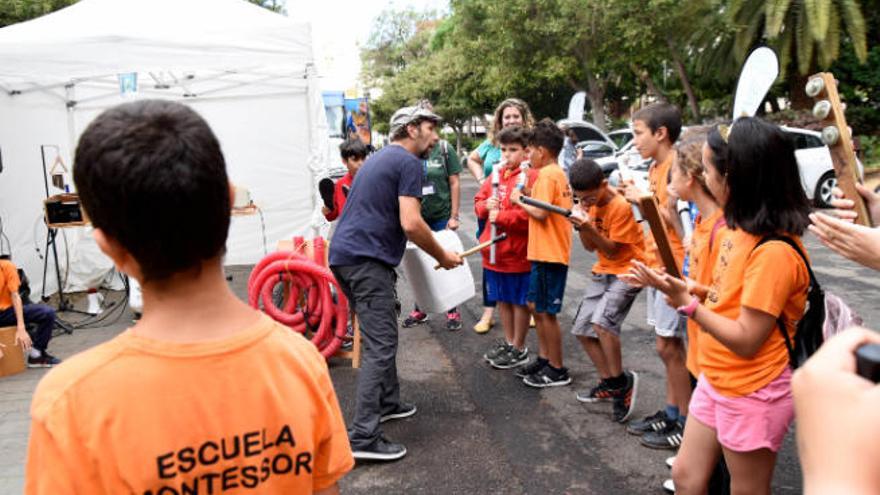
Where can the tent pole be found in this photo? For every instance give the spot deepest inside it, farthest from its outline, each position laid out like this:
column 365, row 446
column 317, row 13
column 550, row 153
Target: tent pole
column 71, row 120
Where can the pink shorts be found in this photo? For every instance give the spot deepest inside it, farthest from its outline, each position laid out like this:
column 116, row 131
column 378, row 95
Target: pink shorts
column 759, row 420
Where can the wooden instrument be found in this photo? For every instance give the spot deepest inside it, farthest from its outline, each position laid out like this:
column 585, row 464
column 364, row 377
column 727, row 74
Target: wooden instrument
column 651, row 212
column 479, row 247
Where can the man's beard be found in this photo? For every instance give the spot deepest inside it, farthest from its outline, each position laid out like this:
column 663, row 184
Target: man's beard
column 424, row 155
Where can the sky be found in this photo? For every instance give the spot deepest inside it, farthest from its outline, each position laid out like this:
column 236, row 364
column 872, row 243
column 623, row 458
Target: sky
column 339, row 27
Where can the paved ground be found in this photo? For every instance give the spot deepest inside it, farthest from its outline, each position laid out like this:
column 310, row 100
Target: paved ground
column 479, row 430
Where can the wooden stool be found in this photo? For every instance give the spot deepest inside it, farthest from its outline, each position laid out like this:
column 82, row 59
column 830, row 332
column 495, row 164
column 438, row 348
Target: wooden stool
column 355, row 353
column 13, row 360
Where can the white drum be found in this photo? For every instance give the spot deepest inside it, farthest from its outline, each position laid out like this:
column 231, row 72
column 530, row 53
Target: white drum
column 437, row 291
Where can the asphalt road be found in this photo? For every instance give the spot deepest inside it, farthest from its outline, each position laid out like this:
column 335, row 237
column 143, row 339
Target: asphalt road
column 480, row 430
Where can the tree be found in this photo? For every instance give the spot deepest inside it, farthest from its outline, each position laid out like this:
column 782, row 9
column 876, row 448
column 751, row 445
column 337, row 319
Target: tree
column 14, row 11
column 807, row 34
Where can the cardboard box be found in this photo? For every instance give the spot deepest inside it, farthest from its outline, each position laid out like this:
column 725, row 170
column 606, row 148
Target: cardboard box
column 12, row 361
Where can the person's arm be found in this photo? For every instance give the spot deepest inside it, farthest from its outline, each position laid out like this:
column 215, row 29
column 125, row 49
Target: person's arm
column 850, row 240
column 22, row 338
column 475, row 165
column 536, row 213
column 420, row 234
column 480, row 201
column 455, row 198
column 845, row 209
column 836, row 410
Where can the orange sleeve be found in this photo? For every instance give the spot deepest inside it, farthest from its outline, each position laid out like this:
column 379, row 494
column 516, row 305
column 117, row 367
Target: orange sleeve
column 11, row 275
column 333, row 452
column 56, row 460
column 771, row 277
column 622, row 225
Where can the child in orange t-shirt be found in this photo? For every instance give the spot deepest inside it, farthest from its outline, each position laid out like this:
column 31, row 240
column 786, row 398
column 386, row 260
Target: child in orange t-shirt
column 204, row 394
column 742, row 406
column 549, row 251
column 656, row 128
column 606, row 225
column 507, row 279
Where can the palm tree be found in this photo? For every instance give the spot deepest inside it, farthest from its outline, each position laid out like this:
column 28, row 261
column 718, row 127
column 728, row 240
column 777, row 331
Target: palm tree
column 806, row 34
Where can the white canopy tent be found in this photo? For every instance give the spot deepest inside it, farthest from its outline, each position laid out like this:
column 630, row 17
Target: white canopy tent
column 248, row 71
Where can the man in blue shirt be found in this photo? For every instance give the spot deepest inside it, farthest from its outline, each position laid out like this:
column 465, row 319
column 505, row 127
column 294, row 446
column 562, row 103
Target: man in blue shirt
column 383, row 211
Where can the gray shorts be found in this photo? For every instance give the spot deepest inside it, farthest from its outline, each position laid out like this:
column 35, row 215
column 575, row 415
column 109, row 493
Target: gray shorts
column 606, row 303
column 663, row 317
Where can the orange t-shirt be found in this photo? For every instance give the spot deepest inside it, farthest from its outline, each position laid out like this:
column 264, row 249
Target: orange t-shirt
column 615, row 221
column 9, row 283
column 772, row 279
column 702, row 259
column 550, row 239
column 658, row 178
column 254, row 411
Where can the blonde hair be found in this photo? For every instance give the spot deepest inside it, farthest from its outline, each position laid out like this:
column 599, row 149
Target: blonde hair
column 689, row 151
column 527, row 120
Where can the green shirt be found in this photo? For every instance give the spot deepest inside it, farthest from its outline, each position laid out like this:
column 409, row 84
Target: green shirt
column 442, row 163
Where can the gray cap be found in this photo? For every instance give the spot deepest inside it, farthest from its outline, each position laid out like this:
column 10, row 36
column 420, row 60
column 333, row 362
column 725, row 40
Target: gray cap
column 406, row 115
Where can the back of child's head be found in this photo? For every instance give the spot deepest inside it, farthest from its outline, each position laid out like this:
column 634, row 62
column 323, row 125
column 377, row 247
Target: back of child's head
column 765, row 192
column 689, row 154
column 585, row 175
column 151, row 175
column 513, row 135
column 548, row 135
column 661, row 114
column 353, row 148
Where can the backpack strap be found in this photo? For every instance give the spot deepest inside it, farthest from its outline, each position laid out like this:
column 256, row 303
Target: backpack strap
column 721, row 222
column 780, row 322
column 444, row 149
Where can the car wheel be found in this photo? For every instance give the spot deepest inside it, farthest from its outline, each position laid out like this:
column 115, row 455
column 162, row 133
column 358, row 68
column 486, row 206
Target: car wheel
column 824, row 188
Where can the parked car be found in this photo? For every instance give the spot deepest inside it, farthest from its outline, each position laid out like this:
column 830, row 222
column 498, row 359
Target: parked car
column 813, row 159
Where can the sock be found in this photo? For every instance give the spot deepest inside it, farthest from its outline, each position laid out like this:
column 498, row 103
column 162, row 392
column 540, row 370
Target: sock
column 35, row 353
column 671, row 411
column 543, row 360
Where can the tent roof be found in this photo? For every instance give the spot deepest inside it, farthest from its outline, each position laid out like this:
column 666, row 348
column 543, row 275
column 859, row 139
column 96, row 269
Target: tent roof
column 106, row 37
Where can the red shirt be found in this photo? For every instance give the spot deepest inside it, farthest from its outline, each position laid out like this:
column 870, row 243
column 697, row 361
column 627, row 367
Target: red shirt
column 339, row 196
column 510, row 254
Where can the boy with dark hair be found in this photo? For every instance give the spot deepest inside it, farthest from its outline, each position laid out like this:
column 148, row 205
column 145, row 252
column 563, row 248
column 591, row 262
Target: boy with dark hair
column 605, row 224
column 655, row 129
column 507, row 280
column 353, row 153
column 204, row 393
column 549, row 251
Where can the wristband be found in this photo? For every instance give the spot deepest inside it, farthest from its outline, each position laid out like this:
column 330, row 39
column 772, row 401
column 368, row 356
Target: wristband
column 689, row 309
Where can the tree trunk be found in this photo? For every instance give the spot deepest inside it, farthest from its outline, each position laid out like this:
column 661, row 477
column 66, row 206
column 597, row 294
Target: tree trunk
column 648, row 81
column 685, row 82
column 596, row 95
column 797, row 94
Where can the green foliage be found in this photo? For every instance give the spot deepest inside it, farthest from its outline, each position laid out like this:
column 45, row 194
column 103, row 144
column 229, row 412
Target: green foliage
column 870, row 147
column 14, row 11
column 273, row 5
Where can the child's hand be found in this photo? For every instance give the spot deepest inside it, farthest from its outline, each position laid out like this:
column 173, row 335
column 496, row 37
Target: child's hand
column 630, row 191
column 493, row 203
column 578, row 216
column 493, row 215
column 845, row 208
column 514, row 196
column 856, row 242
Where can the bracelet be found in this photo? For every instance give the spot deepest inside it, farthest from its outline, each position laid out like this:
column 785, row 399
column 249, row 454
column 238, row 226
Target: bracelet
column 690, row 308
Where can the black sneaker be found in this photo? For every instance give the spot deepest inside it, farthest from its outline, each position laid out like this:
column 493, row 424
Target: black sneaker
column 415, row 318
column 404, row 410
column 326, row 188
column 498, row 348
column 625, row 398
column 600, row 393
column 548, row 377
column 654, row 422
column 511, row 359
column 531, row 368
column 453, row 321
column 667, row 438
column 45, row 360
column 380, row 450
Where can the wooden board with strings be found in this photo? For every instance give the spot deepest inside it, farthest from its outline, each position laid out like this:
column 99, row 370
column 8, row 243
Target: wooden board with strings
column 651, row 213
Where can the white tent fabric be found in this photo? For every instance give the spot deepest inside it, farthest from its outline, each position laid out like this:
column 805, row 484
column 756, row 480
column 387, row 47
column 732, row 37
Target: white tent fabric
column 247, row 71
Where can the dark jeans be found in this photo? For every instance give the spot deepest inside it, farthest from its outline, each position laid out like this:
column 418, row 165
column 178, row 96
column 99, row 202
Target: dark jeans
column 40, row 315
column 370, row 289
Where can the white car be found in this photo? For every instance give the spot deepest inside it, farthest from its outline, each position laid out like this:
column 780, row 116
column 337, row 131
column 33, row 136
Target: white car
column 813, row 159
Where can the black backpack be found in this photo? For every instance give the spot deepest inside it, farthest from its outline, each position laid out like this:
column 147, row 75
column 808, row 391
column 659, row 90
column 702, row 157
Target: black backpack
column 809, row 331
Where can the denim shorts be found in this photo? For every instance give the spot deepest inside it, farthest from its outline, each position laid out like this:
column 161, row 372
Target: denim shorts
column 547, row 286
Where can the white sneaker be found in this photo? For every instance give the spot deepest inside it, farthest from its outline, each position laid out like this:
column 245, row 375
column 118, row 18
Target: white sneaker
column 670, row 461
column 669, row 486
